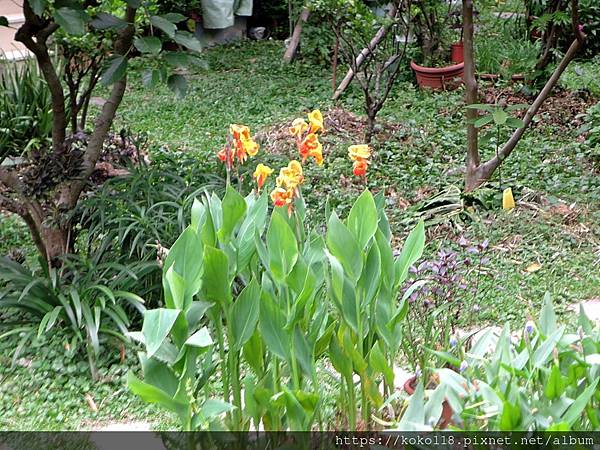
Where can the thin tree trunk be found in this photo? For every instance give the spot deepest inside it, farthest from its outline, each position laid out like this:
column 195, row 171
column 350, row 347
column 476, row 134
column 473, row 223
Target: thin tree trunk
column 473, row 158
column 360, row 58
column 290, row 52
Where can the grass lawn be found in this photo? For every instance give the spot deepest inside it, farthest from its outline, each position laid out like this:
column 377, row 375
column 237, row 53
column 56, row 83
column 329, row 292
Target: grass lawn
column 550, row 242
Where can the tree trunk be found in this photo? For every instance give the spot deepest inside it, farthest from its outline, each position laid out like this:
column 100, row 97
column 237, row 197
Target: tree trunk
column 473, row 158
column 290, row 52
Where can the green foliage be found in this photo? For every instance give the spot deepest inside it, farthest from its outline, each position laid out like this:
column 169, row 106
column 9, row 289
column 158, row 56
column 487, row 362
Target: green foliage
column 25, row 109
column 542, row 378
column 271, row 304
column 89, row 301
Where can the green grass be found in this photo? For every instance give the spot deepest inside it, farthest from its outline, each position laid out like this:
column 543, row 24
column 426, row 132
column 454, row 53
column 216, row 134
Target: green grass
column 249, row 84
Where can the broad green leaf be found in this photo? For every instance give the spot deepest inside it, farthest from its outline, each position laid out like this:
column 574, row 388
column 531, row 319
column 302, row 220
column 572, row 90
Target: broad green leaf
column 38, row 6
column 271, row 326
column 482, row 121
column 156, row 327
column 303, row 352
column 411, row 252
column 71, row 20
column 413, row 418
column 245, row 314
column 342, row 244
column 115, row 70
column 499, row 116
column 555, row 385
column 547, row 316
column 544, row 351
column 174, row 288
column 339, row 360
column 152, row 394
column 510, row 419
column 178, row 84
column 148, row 44
column 216, row 282
column 378, row 363
column 515, row 122
column 200, row 338
column 177, row 59
column 174, row 17
column 158, row 374
column 188, row 40
column 282, row 247
column 104, row 21
column 150, row 77
column 575, row 410
column 185, row 257
column 234, row 208
column 212, row 408
column 363, row 217
column 164, row 25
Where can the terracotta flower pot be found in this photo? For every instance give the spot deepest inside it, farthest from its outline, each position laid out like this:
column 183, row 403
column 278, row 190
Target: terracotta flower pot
column 438, row 77
column 446, row 417
column 457, row 52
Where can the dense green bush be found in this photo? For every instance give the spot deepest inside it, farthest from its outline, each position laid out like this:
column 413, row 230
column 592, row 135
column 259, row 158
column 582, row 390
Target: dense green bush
column 25, row 109
column 87, row 299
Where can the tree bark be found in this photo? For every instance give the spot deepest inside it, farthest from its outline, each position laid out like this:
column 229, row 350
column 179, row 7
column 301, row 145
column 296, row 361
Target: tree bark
column 473, row 158
column 290, row 52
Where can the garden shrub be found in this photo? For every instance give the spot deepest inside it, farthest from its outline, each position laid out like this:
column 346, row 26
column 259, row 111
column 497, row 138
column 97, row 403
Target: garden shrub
column 544, row 377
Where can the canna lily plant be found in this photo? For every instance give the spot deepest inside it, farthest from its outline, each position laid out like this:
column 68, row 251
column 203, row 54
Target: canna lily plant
column 279, row 298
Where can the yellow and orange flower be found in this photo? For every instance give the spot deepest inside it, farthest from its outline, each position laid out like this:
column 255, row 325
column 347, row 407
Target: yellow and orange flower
column 309, row 144
column 298, row 127
column 316, row 121
column 282, row 197
column 360, row 154
column 260, row 174
column 239, row 132
column 239, row 147
column 290, row 177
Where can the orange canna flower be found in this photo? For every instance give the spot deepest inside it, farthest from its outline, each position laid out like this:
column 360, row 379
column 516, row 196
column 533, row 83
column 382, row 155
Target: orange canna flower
column 316, row 121
column 261, row 173
column 318, row 155
column 309, row 144
column 360, row 154
column 251, row 147
column 359, row 168
column 226, row 156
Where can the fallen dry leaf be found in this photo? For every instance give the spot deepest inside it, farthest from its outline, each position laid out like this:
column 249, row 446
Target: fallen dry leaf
column 533, row 267
column 91, row 403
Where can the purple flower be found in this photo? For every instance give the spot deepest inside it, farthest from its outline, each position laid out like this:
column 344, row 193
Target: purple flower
column 453, row 341
column 529, row 327
column 463, row 366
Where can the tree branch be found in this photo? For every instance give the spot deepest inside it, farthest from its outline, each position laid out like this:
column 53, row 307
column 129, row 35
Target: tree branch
column 71, row 192
column 485, row 170
column 42, row 31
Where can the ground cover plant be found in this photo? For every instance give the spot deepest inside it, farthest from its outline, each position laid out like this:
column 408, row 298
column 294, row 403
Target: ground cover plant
column 262, row 250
